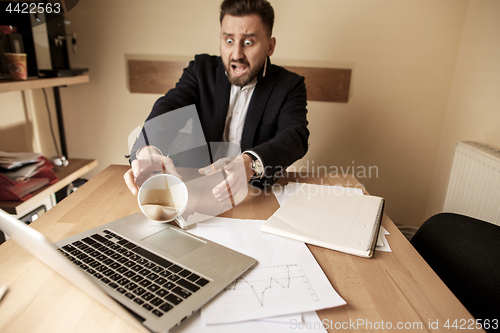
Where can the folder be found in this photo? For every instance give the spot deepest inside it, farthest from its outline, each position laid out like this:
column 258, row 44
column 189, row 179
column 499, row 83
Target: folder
column 22, row 192
column 330, row 217
column 11, row 190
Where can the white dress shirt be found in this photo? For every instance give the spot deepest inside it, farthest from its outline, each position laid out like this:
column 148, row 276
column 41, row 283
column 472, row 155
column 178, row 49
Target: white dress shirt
column 239, row 101
column 238, row 106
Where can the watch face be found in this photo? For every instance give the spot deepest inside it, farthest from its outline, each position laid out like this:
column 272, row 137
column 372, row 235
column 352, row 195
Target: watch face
column 257, row 167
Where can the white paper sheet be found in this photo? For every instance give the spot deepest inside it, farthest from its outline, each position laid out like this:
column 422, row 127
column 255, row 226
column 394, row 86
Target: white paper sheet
column 286, row 280
column 297, row 317
column 311, row 323
column 383, row 244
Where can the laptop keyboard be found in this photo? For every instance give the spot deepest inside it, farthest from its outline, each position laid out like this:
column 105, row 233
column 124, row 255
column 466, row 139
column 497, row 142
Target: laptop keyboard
column 150, row 281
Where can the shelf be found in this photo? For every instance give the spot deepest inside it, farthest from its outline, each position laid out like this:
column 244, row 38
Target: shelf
column 9, row 85
column 75, row 169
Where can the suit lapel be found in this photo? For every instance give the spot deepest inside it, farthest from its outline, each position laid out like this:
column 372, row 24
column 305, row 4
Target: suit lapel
column 256, row 108
column 222, row 92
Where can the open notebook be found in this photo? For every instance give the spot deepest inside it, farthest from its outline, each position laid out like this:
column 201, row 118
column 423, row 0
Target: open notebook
column 329, row 217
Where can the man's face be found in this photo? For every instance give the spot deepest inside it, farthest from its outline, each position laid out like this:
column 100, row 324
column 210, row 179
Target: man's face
column 244, row 47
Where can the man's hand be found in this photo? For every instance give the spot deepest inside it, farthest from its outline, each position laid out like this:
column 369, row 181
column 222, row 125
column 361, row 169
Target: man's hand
column 148, row 162
column 237, row 173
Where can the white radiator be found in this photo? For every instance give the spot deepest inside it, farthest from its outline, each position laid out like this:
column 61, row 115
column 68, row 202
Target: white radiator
column 474, row 184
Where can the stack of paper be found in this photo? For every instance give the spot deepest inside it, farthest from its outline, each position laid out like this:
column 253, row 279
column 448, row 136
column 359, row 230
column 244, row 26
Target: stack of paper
column 10, row 161
column 280, row 293
column 330, row 217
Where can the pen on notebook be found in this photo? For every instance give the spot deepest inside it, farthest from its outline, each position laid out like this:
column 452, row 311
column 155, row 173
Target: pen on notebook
column 3, row 290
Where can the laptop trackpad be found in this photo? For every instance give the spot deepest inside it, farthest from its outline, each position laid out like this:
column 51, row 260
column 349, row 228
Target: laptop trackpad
column 173, row 242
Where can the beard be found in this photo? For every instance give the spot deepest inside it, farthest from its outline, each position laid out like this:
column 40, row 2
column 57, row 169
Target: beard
column 249, row 76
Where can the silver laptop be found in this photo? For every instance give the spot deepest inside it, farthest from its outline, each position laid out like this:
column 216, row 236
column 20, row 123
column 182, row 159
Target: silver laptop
column 158, row 272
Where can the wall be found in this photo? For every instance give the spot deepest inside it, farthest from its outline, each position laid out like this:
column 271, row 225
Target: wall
column 13, row 129
column 473, row 110
column 403, row 55
column 25, row 125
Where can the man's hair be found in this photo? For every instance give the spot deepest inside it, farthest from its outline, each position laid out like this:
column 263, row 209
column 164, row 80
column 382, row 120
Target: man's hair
column 246, row 7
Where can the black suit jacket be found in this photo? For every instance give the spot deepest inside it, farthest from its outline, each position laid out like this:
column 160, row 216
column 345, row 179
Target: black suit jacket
column 275, row 126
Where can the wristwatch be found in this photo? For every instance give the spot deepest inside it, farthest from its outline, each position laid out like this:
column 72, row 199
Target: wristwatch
column 257, row 167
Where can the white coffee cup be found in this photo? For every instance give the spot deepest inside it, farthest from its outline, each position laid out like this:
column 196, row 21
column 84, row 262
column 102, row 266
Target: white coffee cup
column 163, row 198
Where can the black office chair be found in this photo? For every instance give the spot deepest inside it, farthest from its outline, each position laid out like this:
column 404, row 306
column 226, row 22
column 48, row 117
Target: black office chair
column 465, row 253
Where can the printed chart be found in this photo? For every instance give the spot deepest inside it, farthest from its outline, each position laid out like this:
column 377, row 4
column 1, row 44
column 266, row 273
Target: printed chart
column 269, row 286
column 286, row 281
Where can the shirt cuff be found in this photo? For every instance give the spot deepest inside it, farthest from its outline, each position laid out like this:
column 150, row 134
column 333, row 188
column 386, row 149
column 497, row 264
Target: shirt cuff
column 152, row 149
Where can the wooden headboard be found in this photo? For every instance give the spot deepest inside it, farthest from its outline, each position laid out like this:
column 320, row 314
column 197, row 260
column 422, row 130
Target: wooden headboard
column 159, row 76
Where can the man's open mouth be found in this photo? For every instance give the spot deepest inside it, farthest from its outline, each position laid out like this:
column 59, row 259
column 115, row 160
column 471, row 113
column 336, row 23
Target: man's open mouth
column 239, row 69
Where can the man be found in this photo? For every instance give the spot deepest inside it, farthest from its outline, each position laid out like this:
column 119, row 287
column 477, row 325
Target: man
column 240, row 98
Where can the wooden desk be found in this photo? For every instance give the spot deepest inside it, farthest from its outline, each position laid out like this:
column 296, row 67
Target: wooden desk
column 390, row 288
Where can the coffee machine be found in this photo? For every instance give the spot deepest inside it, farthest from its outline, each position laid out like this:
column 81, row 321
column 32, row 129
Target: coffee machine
column 59, row 44
column 36, row 31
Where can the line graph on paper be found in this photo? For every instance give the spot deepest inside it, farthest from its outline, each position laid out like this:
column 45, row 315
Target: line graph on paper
column 286, row 281
column 270, row 286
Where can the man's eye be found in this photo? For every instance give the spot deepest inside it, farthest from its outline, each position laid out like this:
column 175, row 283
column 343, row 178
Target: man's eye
column 248, row 43
column 229, row 41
